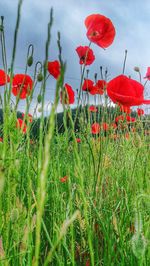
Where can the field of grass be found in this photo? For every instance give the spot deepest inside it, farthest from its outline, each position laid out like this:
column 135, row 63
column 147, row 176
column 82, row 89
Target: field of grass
column 72, row 198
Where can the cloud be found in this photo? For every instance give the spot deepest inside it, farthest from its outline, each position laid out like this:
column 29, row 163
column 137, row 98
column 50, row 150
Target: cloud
column 130, row 19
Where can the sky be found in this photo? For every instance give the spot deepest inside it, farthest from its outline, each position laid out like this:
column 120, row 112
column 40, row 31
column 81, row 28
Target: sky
column 130, row 18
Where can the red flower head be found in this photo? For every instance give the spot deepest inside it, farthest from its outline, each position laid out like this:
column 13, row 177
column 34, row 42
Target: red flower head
column 22, row 125
column 105, row 126
column 63, row 179
column 147, row 74
column 93, row 108
column 1, row 139
column 78, row 140
column 125, row 109
column 100, row 30
column 85, row 54
column 54, row 68
column 4, row 78
column 119, row 118
column 101, row 86
column 29, row 117
column 67, row 96
column 126, row 91
column 140, row 112
column 87, row 85
column 113, row 125
column 130, row 119
column 22, row 85
column 95, row 128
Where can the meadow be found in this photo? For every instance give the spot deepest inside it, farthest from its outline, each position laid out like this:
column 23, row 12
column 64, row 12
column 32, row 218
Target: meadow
column 74, row 191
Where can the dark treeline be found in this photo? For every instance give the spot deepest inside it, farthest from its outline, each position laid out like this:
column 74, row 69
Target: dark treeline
column 62, row 120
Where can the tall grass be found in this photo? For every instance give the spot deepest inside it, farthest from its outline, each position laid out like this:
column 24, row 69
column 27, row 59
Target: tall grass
column 69, row 203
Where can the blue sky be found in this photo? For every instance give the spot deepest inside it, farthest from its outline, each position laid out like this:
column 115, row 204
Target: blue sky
column 131, row 20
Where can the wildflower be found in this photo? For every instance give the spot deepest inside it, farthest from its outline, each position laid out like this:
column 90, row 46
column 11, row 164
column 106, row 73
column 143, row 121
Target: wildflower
column 100, row 30
column 22, row 85
column 93, row 90
column 67, row 96
column 22, row 125
column 126, row 91
column 119, row 118
column 147, row 74
column 29, row 117
column 140, row 112
column 130, row 119
column 78, row 140
column 63, row 179
column 4, row 78
column 87, row 262
column 113, row 125
column 95, row 128
column 1, row 139
column 87, row 85
column 125, row 109
column 127, row 135
column 105, row 126
column 86, row 55
column 93, row 108
column 101, row 86
column 54, row 68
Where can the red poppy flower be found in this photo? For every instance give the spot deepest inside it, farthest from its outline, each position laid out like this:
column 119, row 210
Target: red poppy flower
column 100, row 30
column 22, row 125
column 87, row 85
column 78, row 140
column 125, row 109
column 93, row 108
column 119, row 118
column 95, row 128
column 4, row 78
column 87, row 263
column 127, row 135
column 126, row 91
column 130, row 119
column 22, row 85
column 54, row 68
column 86, row 55
column 133, row 129
column 93, row 90
column 113, row 125
column 101, row 86
column 1, row 139
column 30, row 117
column 105, row 126
column 140, row 112
column 67, row 96
column 147, row 74
column 63, row 179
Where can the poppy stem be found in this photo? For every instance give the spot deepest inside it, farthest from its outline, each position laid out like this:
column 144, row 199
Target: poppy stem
column 124, row 63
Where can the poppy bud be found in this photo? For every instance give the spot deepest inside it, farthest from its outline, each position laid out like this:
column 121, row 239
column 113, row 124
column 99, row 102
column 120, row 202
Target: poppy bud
column 95, row 77
column 136, row 69
column 39, row 77
column 30, row 61
column 39, row 98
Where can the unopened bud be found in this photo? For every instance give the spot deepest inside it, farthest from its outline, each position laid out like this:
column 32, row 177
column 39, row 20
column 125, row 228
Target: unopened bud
column 30, row 61
column 39, row 77
column 39, row 98
column 136, row 69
